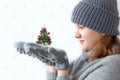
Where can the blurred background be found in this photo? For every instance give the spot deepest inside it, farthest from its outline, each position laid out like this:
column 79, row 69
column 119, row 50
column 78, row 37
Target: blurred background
column 21, row 20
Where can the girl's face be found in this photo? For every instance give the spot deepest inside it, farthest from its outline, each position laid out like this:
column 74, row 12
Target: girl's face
column 87, row 37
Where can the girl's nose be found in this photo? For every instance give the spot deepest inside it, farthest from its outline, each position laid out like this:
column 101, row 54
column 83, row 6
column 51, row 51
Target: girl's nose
column 77, row 34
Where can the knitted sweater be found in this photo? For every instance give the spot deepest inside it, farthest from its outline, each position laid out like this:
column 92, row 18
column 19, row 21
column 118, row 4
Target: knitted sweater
column 107, row 68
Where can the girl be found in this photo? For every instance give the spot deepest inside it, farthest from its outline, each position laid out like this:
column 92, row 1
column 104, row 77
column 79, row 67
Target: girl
column 96, row 24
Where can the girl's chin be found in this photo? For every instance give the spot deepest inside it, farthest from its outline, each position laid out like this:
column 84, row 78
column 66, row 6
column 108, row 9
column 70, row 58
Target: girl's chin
column 85, row 49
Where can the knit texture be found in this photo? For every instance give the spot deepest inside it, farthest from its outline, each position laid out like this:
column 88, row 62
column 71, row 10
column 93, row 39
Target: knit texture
column 51, row 75
column 107, row 68
column 99, row 15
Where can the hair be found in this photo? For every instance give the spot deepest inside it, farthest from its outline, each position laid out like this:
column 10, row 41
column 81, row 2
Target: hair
column 108, row 45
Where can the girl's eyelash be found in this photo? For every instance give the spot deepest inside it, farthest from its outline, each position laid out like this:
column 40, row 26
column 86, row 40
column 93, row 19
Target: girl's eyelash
column 80, row 27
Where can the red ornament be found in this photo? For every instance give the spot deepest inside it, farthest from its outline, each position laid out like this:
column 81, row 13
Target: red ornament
column 38, row 42
column 44, row 28
column 48, row 43
column 44, row 34
column 49, row 38
column 40, row 36
column 48, row 32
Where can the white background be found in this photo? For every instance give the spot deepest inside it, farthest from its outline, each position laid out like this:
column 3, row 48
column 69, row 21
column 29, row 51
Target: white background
column 21, row 20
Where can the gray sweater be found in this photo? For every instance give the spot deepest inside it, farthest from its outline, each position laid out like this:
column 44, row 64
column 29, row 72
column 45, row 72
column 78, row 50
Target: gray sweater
column 107, row 68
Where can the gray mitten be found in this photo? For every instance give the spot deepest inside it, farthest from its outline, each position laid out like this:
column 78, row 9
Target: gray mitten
column 53, row 55
column 23, row 47
column 40, row 51
column 19, row 47
column 59, row 57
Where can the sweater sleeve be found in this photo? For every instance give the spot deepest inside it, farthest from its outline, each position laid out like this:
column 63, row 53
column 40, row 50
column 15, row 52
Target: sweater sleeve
column 74, row 66
column 105, row 72
column 69, row 77
column 51, row 75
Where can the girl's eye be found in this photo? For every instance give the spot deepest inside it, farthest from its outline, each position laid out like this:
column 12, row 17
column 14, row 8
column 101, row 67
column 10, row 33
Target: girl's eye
column 80, row 27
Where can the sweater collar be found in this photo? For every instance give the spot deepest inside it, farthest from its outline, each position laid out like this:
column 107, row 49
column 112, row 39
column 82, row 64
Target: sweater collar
column 86, row 55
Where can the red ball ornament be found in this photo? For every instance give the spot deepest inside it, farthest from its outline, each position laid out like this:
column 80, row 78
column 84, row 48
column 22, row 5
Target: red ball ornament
column 48, row 32
column 44, row 34
column 49, row 38
column 38, row 42
column 44, row 28
column 40, row 36
column 48, row 43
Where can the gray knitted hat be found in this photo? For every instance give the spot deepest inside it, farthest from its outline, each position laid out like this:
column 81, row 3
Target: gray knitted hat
column 99, row 15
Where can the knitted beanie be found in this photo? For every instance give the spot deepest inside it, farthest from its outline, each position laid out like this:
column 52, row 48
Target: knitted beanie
column 99, row 15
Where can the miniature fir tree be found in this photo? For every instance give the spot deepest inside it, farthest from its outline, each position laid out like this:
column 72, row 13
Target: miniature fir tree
column 44, row 37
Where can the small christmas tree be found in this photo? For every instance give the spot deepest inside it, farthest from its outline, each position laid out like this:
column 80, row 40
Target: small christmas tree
column 44, row 37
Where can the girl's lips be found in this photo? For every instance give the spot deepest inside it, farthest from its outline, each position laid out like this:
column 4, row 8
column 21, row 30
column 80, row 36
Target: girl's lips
column 81, row 41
